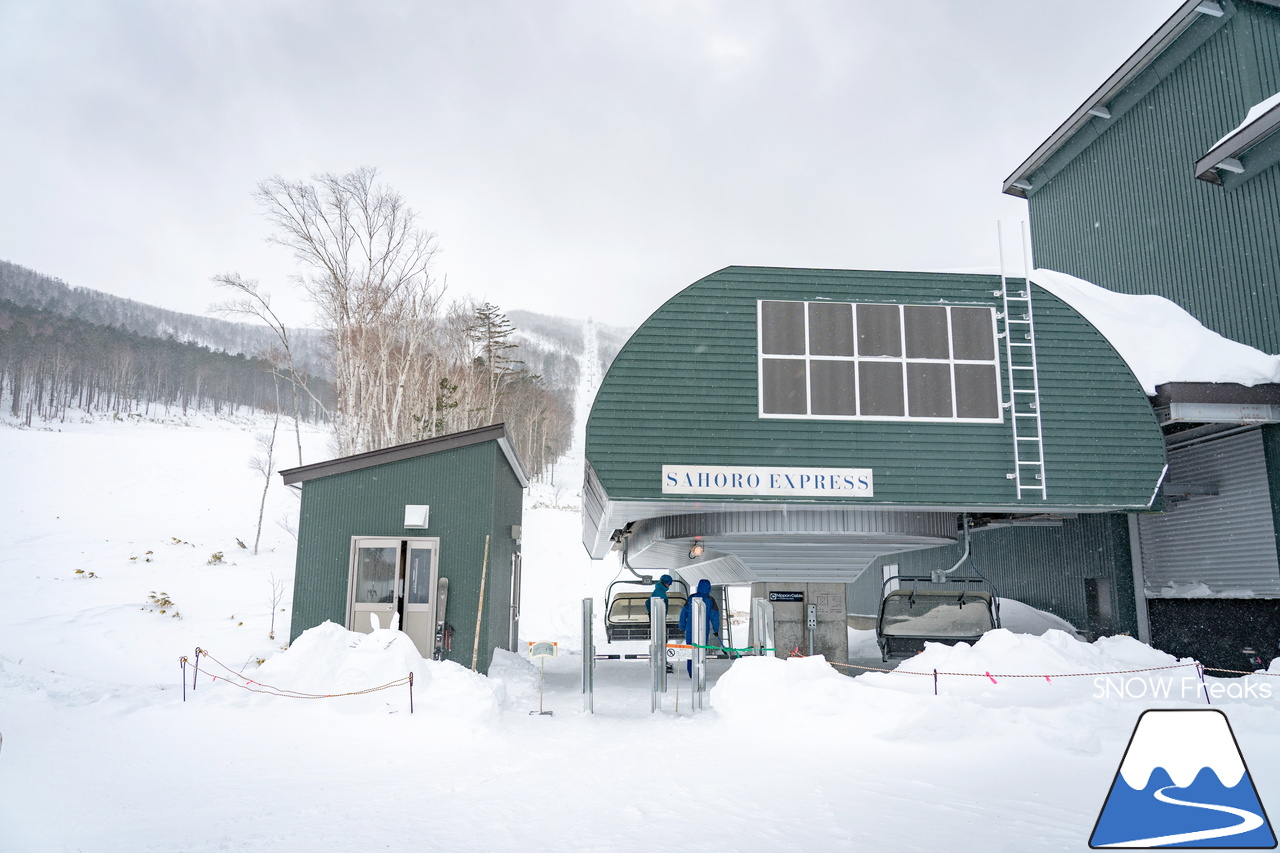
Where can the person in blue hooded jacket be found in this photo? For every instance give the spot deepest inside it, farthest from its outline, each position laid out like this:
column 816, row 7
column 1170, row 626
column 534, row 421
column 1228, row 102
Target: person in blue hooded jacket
column 659, row 591
column 713, row 618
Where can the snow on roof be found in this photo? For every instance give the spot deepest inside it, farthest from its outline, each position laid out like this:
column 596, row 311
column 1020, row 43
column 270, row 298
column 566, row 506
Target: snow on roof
column 1159, row 340
column 1256, row 112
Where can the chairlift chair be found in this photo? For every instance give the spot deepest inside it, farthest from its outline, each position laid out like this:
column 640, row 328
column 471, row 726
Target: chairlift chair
column 909, row 618
column 625, row 616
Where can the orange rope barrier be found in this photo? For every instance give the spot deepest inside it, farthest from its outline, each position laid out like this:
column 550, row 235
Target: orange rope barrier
column 258, row 687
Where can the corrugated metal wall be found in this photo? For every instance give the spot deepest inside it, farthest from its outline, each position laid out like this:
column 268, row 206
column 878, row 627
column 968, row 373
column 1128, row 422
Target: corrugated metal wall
column 459, row 486
column 1127, row 213
column 1045, row 567
column 684, row 391
column 1226, row 541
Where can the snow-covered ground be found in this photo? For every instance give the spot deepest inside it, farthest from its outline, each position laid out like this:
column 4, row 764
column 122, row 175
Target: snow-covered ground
column 101, row 753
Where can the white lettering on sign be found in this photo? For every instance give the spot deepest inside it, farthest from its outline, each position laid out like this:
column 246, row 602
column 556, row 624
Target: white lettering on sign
column 758, row 482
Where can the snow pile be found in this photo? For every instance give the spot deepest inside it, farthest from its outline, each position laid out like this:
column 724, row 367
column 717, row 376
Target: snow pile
column 330, row 660
column 514, row 678
column 1159, row 340
column 759, row 688
column 1024, row 619
column 1197, row 590
column 1052, row 653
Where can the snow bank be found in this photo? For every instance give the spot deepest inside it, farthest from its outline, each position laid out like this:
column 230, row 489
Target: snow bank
column 331, row 660
column 758, row 690
column 1024, row 619
column 769, row 688
column 1159, row 340
column 1054, row 652
column 513, row 677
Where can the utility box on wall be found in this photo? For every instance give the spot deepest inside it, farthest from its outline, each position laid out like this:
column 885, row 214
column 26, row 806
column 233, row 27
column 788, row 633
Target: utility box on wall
column 378, row 531
column 795, row 624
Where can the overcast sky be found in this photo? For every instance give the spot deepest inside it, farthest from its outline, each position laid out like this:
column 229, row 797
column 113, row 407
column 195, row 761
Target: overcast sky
column 585, row 158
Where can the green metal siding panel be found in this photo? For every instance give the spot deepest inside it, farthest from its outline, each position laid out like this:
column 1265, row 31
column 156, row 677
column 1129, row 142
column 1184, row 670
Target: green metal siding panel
column 1045, row 567
column 1265, row 23
column 507, row 512
column 1128, row 215
column 458, row 484
column 683, row 391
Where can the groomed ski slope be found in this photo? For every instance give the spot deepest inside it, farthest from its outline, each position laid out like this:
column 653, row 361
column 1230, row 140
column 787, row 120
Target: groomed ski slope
column 100, row 753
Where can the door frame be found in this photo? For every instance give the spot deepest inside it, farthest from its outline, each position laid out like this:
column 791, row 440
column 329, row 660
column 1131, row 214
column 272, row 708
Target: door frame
column 403, row 544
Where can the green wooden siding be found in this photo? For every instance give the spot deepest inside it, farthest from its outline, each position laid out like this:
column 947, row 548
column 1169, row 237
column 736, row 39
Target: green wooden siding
column 1045, row 567
column 460, row 486
column 684, row 391
column 1126, row 212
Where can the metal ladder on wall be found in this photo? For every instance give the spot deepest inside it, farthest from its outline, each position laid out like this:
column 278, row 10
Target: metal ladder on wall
column 1024, row 377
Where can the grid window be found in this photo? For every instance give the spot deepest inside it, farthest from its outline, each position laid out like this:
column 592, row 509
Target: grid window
column 839, row 360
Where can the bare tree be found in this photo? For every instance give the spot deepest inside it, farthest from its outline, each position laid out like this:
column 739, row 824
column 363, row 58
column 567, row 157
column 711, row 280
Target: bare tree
column 257, row 304
column 264, row 464
column 366, row 263
column 277, row 593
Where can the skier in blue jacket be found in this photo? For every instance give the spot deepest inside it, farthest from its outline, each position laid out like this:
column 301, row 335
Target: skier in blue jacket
column 659, row 591
column 713, row 618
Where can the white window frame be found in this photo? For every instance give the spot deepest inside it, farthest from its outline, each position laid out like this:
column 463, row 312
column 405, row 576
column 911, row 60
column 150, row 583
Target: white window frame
column 903, row 359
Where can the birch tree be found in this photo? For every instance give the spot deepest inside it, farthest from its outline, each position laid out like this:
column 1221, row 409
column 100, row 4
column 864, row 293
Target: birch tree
column 366, row 267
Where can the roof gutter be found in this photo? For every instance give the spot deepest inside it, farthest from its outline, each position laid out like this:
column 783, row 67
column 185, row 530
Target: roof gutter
column 1096, row 106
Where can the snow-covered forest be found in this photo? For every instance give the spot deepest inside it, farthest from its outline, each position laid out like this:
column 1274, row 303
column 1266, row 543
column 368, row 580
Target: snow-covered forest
column 69, row 351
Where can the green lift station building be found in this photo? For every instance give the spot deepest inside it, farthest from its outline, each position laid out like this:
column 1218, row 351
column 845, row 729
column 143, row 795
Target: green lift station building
column 803, row 425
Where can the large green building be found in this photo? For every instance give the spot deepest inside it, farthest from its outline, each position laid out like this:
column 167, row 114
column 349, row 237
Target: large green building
column 801, row 426
column 1165, row 181
column 1158, row 517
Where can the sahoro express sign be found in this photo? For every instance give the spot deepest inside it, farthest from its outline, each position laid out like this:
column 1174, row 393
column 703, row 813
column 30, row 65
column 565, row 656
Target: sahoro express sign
column 748, row 481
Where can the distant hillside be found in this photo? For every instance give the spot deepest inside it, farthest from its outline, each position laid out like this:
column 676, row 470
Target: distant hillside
column 552, row 346
column 52, row 365
column 31, row 289
column 64, row 347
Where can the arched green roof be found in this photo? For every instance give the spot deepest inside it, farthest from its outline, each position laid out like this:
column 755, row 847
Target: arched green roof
column 684, row 390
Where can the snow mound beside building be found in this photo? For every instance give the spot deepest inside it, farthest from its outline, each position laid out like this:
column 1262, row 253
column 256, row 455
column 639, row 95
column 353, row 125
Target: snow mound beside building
column 329, row 660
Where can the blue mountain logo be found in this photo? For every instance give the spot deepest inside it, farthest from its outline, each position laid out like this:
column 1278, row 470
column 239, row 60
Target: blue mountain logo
column 1183, row 783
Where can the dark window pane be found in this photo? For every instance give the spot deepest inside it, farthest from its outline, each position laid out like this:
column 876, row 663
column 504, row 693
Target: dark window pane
column 784, row 391
column 419, row 591
column 926, row 329
column 880, row 388
column 831, row 388
column 977, row 393
column 879, row 332
column 782, row 328
column 929, row 390
column 831, row 329
column 971, row 334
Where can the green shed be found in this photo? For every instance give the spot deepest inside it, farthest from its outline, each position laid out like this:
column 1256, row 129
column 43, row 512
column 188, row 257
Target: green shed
column 379, row 531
